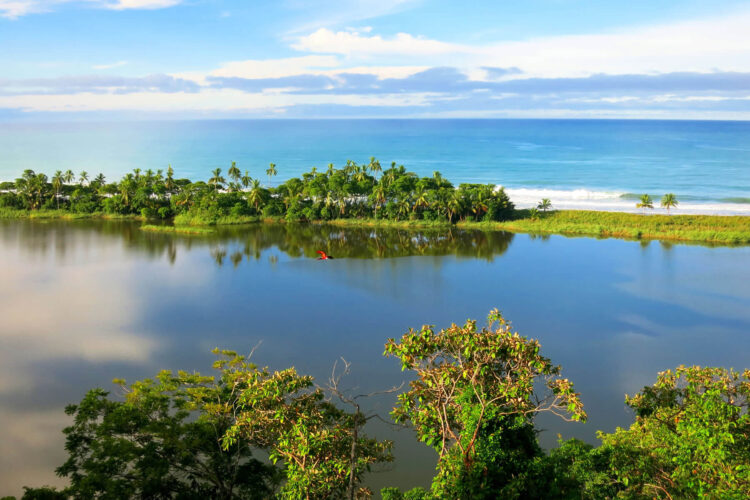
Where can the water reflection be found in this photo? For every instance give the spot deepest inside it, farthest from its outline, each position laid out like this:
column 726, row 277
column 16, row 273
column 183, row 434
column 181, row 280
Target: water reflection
column 85, row 301
column 249, row 241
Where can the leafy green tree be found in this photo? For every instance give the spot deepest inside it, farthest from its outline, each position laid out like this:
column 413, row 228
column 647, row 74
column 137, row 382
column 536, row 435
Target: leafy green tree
column 668, row 201
column 282, row 412
column 69, row 176
column 161, row 442
column 474, row 401
column 544, row 205
column 83, row 178
column 690, row 439
column 32, row 188
column 645, row 202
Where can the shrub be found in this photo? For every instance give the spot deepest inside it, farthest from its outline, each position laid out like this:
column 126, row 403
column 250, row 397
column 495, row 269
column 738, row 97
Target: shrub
column 691, row 437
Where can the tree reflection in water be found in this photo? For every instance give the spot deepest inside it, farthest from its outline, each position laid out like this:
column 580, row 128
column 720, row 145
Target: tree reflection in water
column 237, row 243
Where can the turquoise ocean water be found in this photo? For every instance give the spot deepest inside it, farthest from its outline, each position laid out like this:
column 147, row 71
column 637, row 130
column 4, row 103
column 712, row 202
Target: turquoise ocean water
column 599, row 164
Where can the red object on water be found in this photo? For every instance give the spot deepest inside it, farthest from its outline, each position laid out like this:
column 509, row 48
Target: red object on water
column 323, row 255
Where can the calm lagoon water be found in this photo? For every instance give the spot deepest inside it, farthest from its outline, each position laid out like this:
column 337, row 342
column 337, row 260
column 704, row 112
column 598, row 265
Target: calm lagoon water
column 594, row 164
column 84, row 302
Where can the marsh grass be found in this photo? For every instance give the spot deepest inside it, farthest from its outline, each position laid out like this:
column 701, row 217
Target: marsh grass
column 690, row 228
column 196, row 230
column 712, row 229
column 13, row 213
column 189, row 219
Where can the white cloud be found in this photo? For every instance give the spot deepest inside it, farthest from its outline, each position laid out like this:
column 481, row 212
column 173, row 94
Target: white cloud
column 354, row 43
column 208, row 100
column 702, row 45
column 13, row 9
column 328, row 65
column 141, row 4
column 275, row 68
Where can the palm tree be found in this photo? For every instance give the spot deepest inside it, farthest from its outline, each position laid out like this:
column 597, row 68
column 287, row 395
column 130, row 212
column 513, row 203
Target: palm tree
column 480, row 203
column 83, row 177
column 330, row 169
column 217, row 180
column 645, row 202
column 68, row 176
column 169, row 183
column 403, row 207
column 57, row 183
column 246, row 179
column 271, row 172
column 360, row 174
column 420, row 199
column 375, row 167
column 293, row 192
column 255, row 196
column 234, row 172
column 454, row 205
column 100, row 180
column 127, row 188
column 668, row 201
column 379, row 195
column 544, row 205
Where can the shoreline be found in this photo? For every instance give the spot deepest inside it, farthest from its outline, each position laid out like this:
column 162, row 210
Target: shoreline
column 723, row 230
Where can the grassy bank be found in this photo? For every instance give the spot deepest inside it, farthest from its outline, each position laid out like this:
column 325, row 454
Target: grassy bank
column 191, row 219
column 690, row 228
column 396, row 224
column 713, row 229
column 13, row 213
column 195, row 230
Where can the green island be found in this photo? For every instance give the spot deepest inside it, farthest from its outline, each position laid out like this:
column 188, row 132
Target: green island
column 248, row 432
column 357, row 195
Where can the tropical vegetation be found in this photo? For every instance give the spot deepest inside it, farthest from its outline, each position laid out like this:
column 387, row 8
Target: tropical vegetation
column 249, row 432
column 357, row 194
column 354, row 191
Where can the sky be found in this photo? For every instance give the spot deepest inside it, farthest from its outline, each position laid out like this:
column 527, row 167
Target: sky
column 180, row 59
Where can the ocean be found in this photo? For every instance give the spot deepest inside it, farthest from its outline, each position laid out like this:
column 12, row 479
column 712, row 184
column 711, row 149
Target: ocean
column 585, row 164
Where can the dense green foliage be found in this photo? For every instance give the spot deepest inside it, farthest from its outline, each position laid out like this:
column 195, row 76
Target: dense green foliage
column 355, row 191
column 691, row 437
column 161, row 442
column 473, row 400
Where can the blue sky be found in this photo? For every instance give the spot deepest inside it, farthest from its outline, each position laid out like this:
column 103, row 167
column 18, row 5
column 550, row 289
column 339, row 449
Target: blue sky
column 365, row 58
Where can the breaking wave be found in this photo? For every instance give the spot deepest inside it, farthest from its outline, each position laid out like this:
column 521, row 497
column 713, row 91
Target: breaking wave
column 621, row 201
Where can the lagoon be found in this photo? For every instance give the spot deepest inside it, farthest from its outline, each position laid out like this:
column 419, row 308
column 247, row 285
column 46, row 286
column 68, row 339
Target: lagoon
column 82, row 302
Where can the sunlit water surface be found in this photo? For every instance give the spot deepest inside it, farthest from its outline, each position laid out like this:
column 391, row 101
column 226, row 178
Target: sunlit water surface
column 84, row 302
